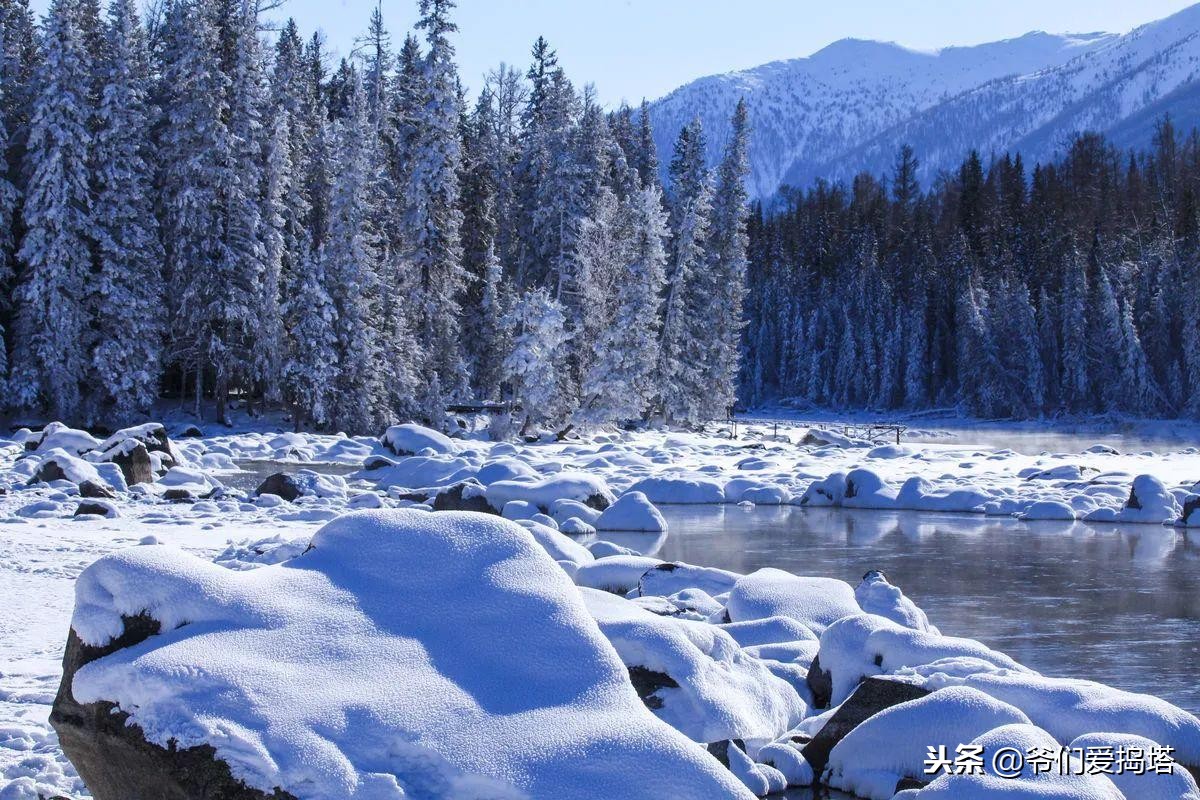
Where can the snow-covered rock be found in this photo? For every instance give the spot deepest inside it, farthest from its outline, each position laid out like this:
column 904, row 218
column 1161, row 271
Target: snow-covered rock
column 331, row 695
column 581, row 487
column 681, row 490
column 410, row 439
column 631, row 512
column 815, row 603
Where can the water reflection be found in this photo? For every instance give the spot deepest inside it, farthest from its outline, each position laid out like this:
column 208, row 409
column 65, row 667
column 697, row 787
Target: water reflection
column 1117, row 604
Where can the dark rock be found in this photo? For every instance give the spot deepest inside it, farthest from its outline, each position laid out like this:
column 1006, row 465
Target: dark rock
column 190, row 432
column 820, row 683
column 96, row 509
column 178, row 496
column 281, row 484
column 135, row 464
column 47, row 472
column 647, row 682
column 720, row 750
column 909, row 783
column 1190, row 504
column 872, row 696
column 96, row 491
column 114, row 758
column 451, row 499
column 598, row 502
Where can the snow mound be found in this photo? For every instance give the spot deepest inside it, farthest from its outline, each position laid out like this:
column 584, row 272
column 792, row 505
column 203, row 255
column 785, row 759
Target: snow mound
column 815, row 603
column 631, row 512
column 615, row 573
column 319, row 676
column 410, row 439
column 58, row 436
column 893, row 744
column 719, row 691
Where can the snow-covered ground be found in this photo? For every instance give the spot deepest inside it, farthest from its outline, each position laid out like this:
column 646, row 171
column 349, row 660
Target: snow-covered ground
column 549, row 485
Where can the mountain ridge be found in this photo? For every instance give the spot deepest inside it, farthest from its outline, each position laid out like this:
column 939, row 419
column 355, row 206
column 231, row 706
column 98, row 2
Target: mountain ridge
column 849, row 106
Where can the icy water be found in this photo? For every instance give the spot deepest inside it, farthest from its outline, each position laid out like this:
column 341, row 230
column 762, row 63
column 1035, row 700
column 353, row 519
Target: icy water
column 1116, row 605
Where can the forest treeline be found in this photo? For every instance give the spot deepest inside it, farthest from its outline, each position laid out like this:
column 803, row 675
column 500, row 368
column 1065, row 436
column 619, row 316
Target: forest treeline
column 1004, row 290
column 197, row 207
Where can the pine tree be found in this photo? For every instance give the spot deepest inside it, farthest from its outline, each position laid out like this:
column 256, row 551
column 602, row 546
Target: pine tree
column 685, row 342
column 434, row 192
column 534, row 367
column 350, row 261
column 727, row 264
column 620, row 384
column 1074, row 381
column 127, row 292
column 311, row 370
column 50, row 355
column 208, row 316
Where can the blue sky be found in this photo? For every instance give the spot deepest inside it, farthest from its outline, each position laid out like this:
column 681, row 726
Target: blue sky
column 644, row 48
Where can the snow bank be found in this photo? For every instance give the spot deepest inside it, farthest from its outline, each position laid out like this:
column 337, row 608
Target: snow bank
column 411, row 439
column 382, row 663
column 631, row 512
column 719, row 692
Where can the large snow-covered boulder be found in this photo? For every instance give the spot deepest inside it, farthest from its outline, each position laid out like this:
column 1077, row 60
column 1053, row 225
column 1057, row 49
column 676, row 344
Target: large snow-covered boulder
column 58, row 464
column 591, row 490
column 631, row 512
column 406, row 653
column 875, row 595
column 58, row 436
column 410, row 439
column 151, row 435
column 894, row 744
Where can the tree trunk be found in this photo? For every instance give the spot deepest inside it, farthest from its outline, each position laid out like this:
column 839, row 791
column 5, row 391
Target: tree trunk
column 199, row 392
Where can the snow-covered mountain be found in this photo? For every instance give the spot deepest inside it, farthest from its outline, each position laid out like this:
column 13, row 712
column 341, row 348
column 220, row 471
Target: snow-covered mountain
column 851, row 105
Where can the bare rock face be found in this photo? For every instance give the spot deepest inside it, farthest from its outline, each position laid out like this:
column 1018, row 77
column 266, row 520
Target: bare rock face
column 116, row 761
column 135, row 464
column 872, row 696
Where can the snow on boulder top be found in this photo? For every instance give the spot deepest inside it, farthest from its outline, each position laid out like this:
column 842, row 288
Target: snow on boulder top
column 58, row 464
column 632, row 512
column 410, row 439
column 590, row 490
column 681, row 490
column 876, row 596
column 405, row 649
column 57, row 436
column 894, row 744
column 815, row 603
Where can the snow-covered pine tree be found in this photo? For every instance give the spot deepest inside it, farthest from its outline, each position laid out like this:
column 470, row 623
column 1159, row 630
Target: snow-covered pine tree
column 249, row 276
column 726, row 252
column 350, row 260
column 8, row 215
column 534, row 366
column 433, row 191
column 50, row 360
column 126, row 296
column 1074, row 382
column 685, row 339
column 196, row 178
column 620, row 384
column 311, row 370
